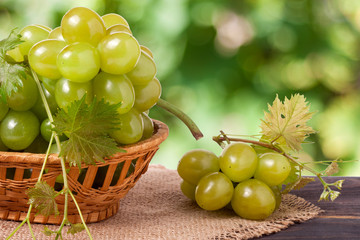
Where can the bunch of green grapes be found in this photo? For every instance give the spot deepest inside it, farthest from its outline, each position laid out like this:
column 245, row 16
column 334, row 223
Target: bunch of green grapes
column 88, row 54
column 240, row 178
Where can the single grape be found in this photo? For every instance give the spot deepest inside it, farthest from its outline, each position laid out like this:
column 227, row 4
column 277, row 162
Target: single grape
column 56, row 34
column 26, row 96
column 67, row 91
column 79, row 62
column 277, row 194
column 146, row 50
column 30, row 35
column 214, row 191
column 114, row 89
column 197, row 163
column 19, row 129
column 82, row 24
column 46, row 131
column 130, row 128
column 188, row 189
column 3, row 147
column 54, row 149
column 146, row 96
column 44, row 27
column 272, row 169
column 144, row 71
column 14, row 55
column 253, row 199
column 119, row 53
column 4, row 108
column 111, row 19
column 39, row 107
column 49, row 84
column 238, row 161
column 148, row 126
column 118, row 28
column 43, row 55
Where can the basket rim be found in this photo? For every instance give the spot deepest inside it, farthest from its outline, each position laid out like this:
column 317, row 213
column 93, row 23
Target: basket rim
column 161, row 133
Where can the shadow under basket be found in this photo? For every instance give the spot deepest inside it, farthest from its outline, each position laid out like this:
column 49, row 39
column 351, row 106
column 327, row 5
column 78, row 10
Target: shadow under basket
column 97, row 188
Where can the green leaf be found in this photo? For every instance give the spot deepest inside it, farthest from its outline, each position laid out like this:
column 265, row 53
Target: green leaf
column 42, row 196
column 10, row 73
column 87, row 127
column 288, row 121
column 48, row 232
column 76, row 228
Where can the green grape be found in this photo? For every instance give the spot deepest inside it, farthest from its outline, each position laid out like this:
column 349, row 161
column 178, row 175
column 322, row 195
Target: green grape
column 197, row 163
column 39, row 145
column 144, row 71
column 188, row 189
column 238, row 161
column 26, row 96
column 4, row 108
column 115, row 89
column 19, row 129
column 113, row 19
column 253, row 199
column 43, row 55
column 14, row 55
column 49, row 84
column 148, row 126
column 81, row 24
column 119, row 53
column 54, row 149
column 277, row 194
column 272, row 169
column 3, row 147
column 56, row 34
column 214, row 191
column 39, row 107
column 130, row 128
column 146, row 50
column 30, row 35
column 118, row 28
column 67, row 91
column 146, row 96
column 44, row 27
column 79, row 62
column 46, row 131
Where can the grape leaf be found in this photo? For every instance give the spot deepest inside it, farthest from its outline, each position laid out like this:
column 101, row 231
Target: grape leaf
column 87, row 127
column 47, row 232
column 288, row 120
column 303, row 182
column 11, row 74
column 42, row 196
column 75, row 228
column 331, row 169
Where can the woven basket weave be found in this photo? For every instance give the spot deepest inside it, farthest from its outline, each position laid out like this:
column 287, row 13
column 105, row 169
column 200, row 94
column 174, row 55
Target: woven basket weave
column 96, row 203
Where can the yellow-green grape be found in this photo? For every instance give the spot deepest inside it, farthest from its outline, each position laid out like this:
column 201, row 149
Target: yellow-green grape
column 26, row 96
column 197, row 163
column 3, row 147
column 147, row 50
column 253, row 199
column 214, row 191
column 238, row 161
column 79, row 62
column 30, row 35
column 43, row 56
column 14, row 55
column 111, row 19
column 130, row 128
column 44, row 27
column 148, row 126
column 56, row 34
column 119, row 53
column 118, row 28
column 188, row 189
column 144, row 71
column 146, row 96
column 277, row 194
column 115, row 89
column 39, row 107
column 272, row 169
column 4, row 108
column 82, row 24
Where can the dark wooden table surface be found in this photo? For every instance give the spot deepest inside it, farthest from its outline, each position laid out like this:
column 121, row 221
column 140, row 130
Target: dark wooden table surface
column 341, row 219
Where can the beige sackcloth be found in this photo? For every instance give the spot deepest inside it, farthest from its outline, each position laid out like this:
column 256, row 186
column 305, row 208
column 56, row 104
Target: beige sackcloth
column 156, row 209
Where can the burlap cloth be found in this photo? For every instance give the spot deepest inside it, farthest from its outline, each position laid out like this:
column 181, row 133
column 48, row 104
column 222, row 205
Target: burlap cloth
column 156, row 209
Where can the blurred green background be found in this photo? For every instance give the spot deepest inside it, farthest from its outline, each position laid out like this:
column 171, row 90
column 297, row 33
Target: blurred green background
column 222, row 61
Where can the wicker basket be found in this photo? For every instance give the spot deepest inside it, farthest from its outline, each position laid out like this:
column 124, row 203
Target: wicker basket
column 96, row 203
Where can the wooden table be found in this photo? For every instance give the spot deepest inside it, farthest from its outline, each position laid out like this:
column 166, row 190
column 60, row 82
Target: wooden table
column 341, row 219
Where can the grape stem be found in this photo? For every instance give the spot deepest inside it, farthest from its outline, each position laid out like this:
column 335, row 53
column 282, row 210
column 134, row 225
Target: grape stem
column 195, row 131
column 224, row 138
